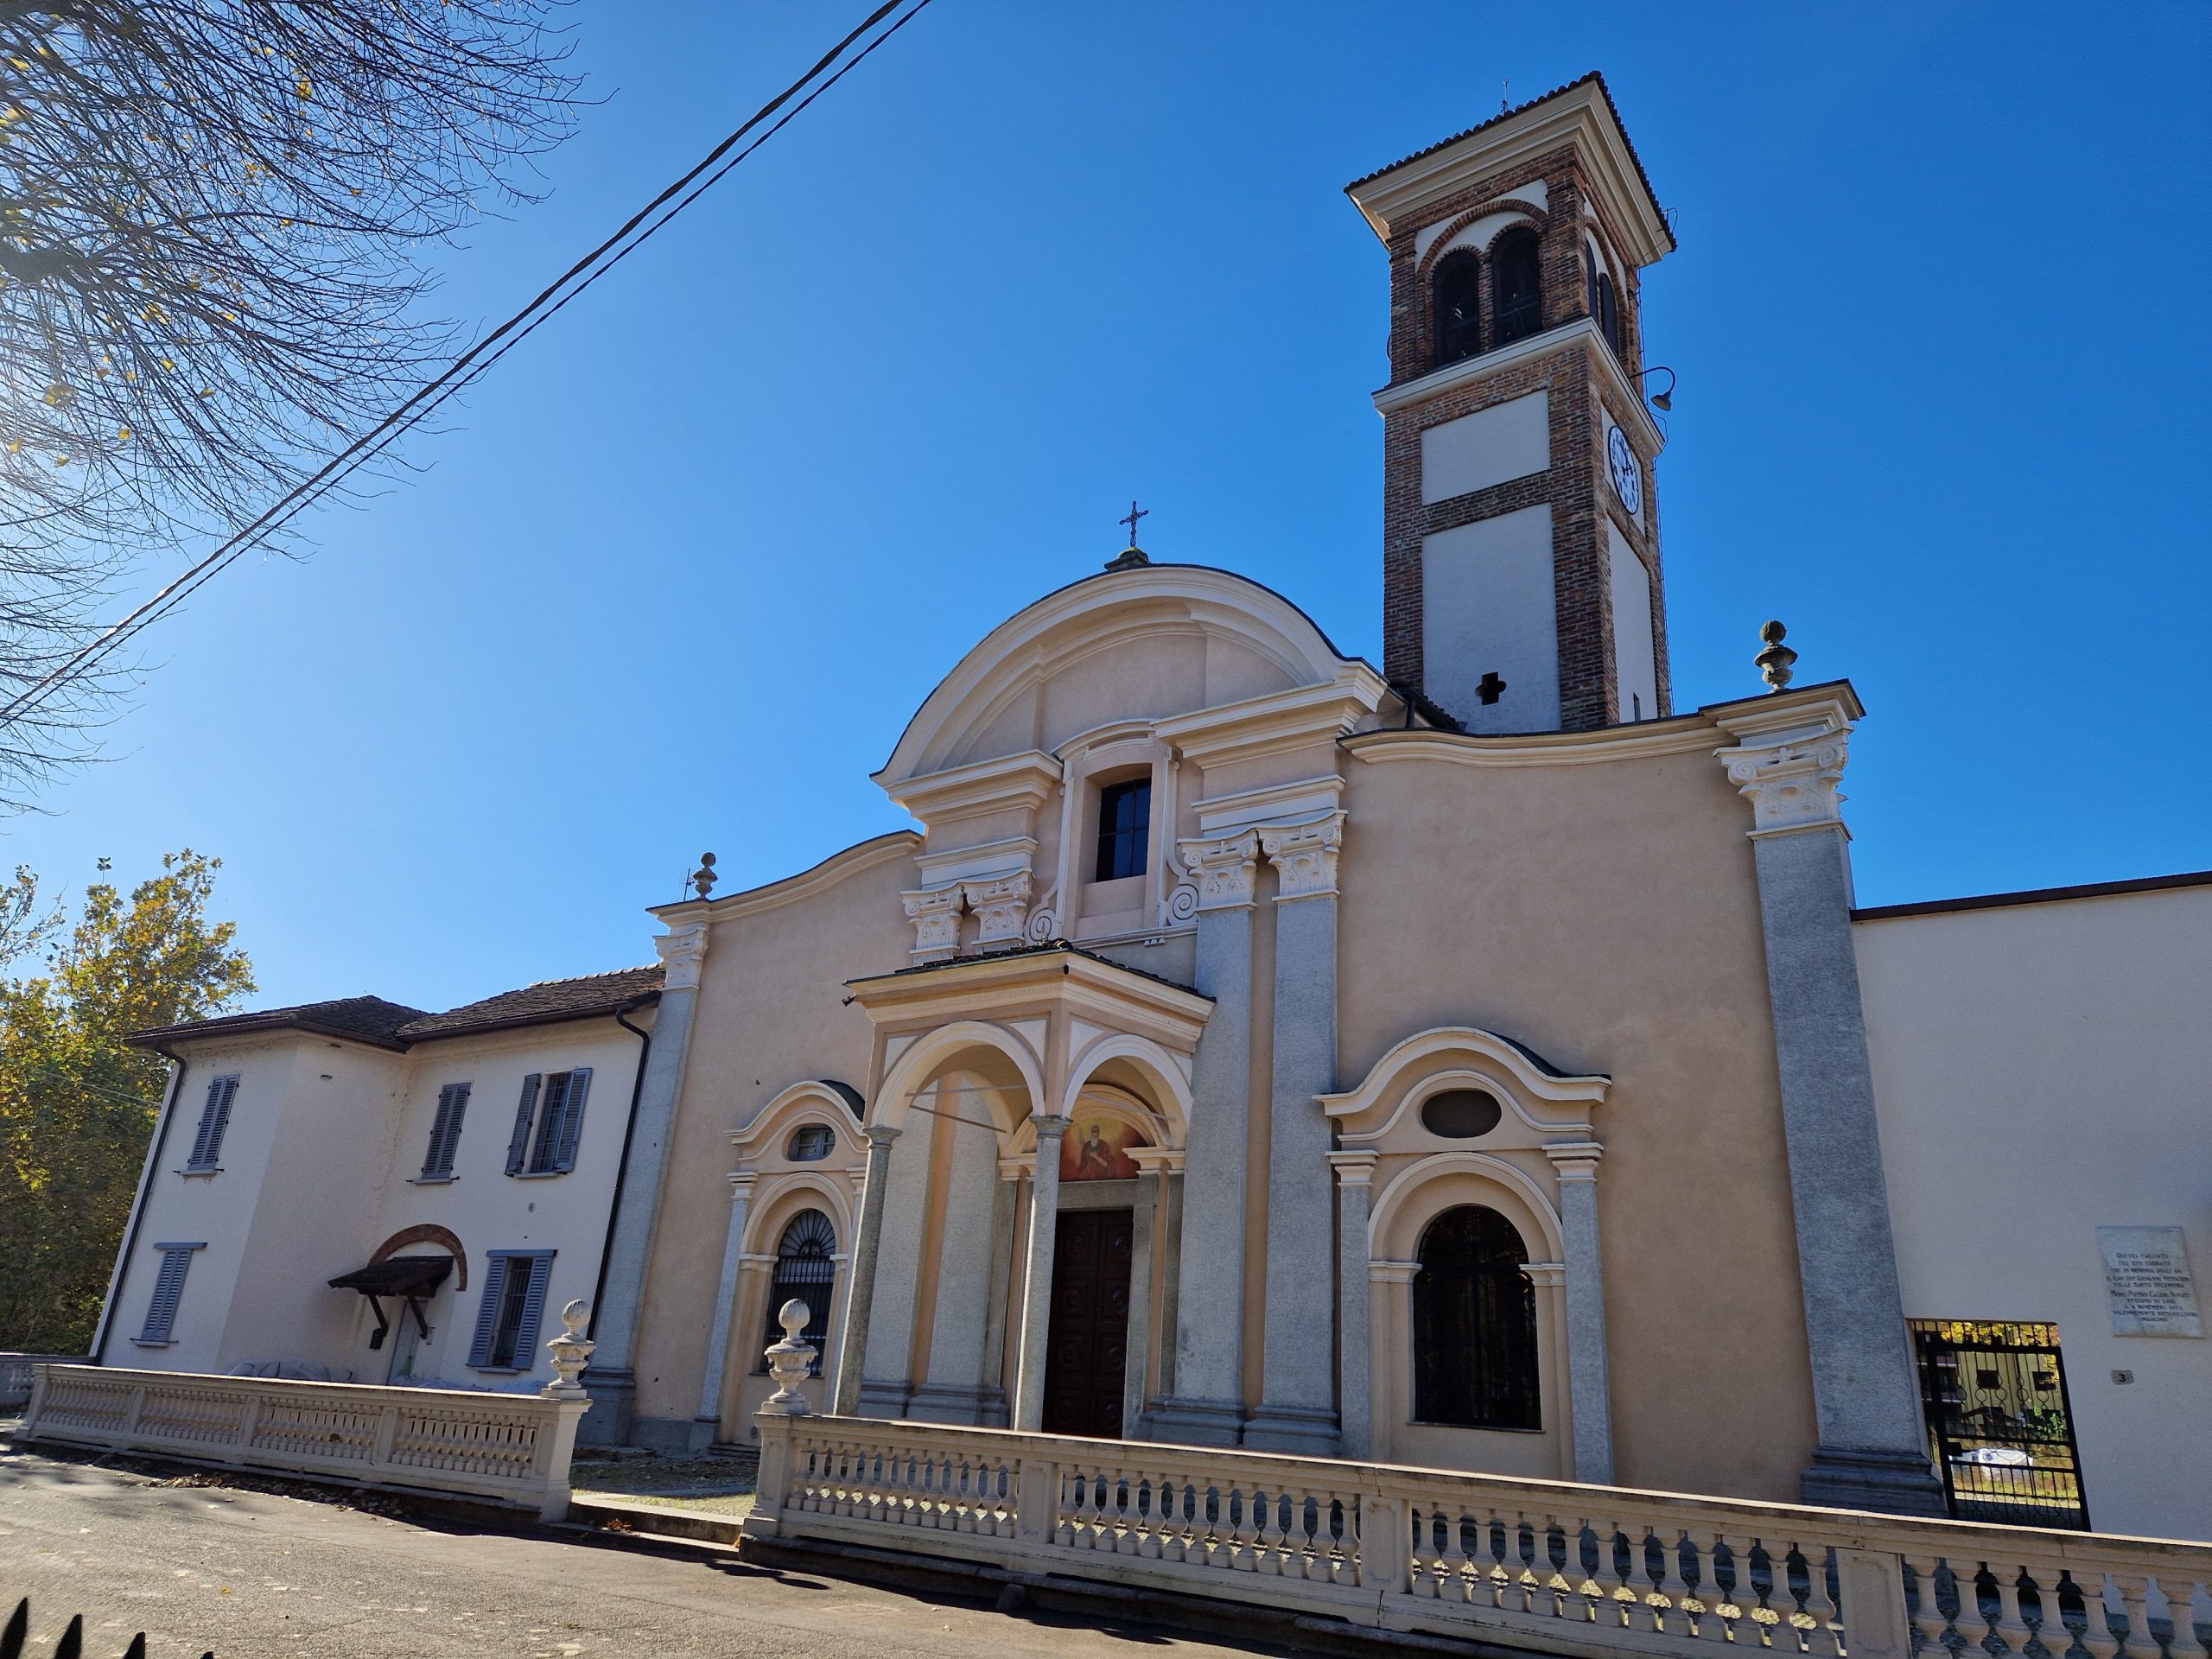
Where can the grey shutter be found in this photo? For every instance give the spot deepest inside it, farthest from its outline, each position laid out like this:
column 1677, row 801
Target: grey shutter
column 518, row 1144
column 542, row 1155
column 572, row 1118
column 445, row 1137
column 434, row 1164
column 214, row 1118
column 487, row 1312
column 533, row 1310
column 168, row 1291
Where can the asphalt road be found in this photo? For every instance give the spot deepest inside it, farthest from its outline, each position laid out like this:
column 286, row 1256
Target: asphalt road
column 203, row 1569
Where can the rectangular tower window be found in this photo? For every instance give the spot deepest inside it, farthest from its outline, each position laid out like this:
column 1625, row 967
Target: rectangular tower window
column 1124, row 828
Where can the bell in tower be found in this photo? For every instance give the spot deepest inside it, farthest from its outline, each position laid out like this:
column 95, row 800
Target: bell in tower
column 1521, row 575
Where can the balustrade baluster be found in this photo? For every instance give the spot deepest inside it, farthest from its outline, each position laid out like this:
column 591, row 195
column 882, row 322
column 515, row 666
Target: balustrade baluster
column 1925, row 1605
column 1610, row 1609
column 2180, row 1592
column 1125, row 1515
column 1704, row 1601
column 2011, row 1627
column 1421, row 1580
column 1454, row 1575
column 2052, row 1636
column 1246, row 1529
column 2135, row 1601
column 1974, row 1622
column 1824, row 1640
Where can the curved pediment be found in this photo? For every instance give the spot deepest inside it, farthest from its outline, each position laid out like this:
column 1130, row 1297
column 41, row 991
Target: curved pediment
column 1132, row 644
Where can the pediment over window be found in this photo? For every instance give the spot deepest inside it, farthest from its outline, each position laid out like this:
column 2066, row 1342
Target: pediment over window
column 1460, row 1083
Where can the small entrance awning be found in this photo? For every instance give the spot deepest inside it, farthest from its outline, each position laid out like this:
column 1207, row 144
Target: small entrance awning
column 403, row 1275
column 410, row 1277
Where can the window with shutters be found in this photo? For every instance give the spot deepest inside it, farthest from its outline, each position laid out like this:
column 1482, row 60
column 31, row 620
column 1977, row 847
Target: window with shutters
column 445, row 1133
column 549, row 1123
column 514, row 1307
column 214, row 1118
column 805, row 1270
column 168, row 1291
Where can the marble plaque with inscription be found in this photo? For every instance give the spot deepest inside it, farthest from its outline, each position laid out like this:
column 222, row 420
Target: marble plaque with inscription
column 2147, row 1283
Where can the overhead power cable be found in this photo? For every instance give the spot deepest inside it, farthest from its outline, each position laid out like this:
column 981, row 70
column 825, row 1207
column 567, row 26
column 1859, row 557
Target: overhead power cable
column 472, row 365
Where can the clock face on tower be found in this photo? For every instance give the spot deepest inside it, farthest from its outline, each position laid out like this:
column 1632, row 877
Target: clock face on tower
column 1628, row 476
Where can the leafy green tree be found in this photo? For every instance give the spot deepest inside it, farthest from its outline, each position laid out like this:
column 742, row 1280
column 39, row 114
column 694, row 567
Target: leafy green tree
column 77, row 1107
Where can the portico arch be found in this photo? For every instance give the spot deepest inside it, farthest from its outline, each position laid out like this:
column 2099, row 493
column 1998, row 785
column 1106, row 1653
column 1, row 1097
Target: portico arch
column 919, row 1062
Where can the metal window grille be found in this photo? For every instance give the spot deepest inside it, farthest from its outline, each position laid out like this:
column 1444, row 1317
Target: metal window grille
column 1475, row 1324
column 1999, row 1426
column 805, row 1270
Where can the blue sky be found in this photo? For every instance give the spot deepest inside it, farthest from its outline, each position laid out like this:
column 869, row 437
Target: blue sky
column 677, row 573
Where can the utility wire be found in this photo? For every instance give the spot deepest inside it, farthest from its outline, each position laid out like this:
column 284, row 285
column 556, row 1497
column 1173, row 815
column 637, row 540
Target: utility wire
column 472, row 365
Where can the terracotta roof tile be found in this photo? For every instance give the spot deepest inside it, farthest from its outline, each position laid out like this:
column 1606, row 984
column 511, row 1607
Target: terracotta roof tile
column 551, row 999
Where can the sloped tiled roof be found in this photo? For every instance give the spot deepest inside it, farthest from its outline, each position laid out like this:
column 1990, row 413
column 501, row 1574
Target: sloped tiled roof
column 392, row 1025
column 363, row 1019
column 551, row 999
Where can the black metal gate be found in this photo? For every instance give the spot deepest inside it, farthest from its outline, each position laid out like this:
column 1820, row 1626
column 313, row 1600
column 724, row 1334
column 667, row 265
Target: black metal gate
column 1999, row 1424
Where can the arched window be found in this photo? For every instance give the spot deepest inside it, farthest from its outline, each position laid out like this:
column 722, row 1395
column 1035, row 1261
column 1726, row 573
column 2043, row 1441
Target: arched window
column 1590, row 279
column 1474, row 1323
column 1458, row 309
column 1608, row 314
column 803, row 1269
column 1516, row 300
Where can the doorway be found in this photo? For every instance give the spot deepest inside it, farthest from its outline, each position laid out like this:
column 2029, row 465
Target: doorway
column 1086, row 1354
column 1998, row 1422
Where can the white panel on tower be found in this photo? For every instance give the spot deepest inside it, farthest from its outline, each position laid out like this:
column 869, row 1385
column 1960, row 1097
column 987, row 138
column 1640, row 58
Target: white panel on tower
column 1487, row 447
column 1489, row 628
column 1635, row 668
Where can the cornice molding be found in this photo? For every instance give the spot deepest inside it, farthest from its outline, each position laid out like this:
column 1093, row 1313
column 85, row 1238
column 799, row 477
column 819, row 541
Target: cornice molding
column 1282, row 720
column 1011, row 783
column 1472, row 371
column 1680, row 734
column 862, row 855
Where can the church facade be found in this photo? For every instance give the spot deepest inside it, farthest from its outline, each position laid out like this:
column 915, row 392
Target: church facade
column 1475, row 1061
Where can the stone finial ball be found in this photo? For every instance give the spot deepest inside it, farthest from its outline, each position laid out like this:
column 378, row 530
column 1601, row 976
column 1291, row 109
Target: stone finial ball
column 576, row 1314
column 1772, row 632
column 793, row 1317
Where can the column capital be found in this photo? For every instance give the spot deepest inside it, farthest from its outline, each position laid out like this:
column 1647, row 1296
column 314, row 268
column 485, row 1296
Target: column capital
column 681, row 950
column 1001, row 904
column 1305, row 855
column 1788, row 764
column 1354, row 1168
column 1165, row 1161
column 935, row 912
column 1050, row 1125
column 1576, row 1161
column 1225, row 867
column 1552, row 1275
column 879, row 1136
column 740, row 1182
column 1393, row 1273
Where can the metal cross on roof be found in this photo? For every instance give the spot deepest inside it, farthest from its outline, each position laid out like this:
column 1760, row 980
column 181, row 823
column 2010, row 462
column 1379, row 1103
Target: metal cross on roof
column 1136, row 513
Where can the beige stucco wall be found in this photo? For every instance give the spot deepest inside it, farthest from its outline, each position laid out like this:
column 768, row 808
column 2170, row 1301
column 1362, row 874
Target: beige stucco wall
column 2041, row 1070
column 1606, row 915
column 771, row 1012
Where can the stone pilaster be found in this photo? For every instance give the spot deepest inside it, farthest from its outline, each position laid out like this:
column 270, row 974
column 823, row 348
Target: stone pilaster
column 1355, row 1335
column 1787, row 763
column 1203, row 1405
column 1297, row 1407
column 1589, row 1387
column 1036, row 1274
column 860, row 1299
column 718, row 1332
column 613, row 1383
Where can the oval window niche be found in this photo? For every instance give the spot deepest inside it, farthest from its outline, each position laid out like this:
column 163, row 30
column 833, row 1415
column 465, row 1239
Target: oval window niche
column 1460, row 1113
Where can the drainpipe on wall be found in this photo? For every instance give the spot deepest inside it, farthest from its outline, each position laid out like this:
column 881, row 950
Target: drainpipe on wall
column 177, row 1064
column 622, row 1167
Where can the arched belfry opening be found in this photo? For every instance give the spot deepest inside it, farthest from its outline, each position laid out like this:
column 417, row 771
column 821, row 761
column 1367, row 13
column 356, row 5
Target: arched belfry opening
column 1515, row 285
column 1456, row 286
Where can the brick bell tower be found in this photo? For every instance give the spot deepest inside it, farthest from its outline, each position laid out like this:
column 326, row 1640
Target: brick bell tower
column 1521, row 575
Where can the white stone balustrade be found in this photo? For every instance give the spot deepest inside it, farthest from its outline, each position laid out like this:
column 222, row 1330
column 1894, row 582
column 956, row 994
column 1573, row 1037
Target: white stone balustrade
column 512, row 1449
column 18, row 1371
column 1544, row 1565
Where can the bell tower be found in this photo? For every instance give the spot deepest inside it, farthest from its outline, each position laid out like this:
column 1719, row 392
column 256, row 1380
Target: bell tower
column 1521, row 573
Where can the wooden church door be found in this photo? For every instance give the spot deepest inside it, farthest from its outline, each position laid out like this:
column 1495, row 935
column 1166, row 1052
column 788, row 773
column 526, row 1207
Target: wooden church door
column 1086, row 1356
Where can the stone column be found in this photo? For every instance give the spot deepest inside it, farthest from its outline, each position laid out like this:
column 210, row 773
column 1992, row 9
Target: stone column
column 1589, row 1389
column 1205, row 1405
column 613, row 1383
column 852, row 1341
column 718, row 1332
column 1297, row 1410
column 1036, row 1274
column 1137, row 1353
column 1355, row 1337
column 1788, row 764
column 995, row 1414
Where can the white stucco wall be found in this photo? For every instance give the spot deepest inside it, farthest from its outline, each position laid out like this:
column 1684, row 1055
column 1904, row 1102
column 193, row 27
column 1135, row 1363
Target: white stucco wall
column 1487, row 607
column 321, row 1165
column 1636, row 664
column 2042, row 1070
column 1486, row 448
